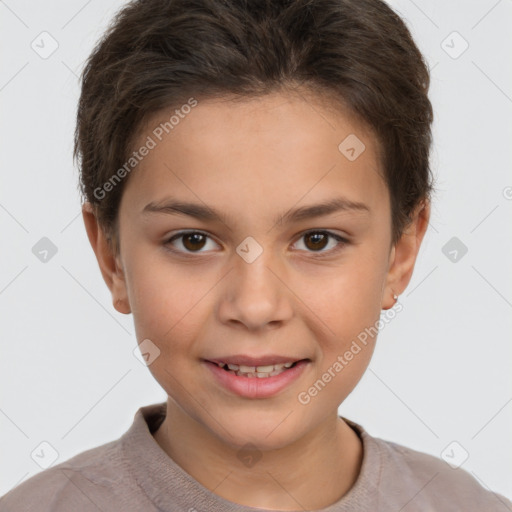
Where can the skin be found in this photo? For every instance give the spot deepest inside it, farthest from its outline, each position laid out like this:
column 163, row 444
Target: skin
column 253, row 160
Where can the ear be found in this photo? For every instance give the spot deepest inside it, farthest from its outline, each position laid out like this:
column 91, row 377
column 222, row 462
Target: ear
column 110, row 265
column 403, row 255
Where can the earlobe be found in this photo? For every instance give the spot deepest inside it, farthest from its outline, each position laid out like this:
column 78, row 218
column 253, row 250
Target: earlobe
column 119, row 290
column 122, row 306
column 403, row 255
column 110, row 268
column 389, row 303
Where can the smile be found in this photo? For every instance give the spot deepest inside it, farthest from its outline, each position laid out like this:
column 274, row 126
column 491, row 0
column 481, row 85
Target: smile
column 260, row 372
column 264, row 378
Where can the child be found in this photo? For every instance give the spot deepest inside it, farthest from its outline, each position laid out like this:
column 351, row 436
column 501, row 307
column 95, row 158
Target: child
column 289, row 140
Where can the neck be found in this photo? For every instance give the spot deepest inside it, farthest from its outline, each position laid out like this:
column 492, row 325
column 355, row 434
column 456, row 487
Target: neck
column 311, row 473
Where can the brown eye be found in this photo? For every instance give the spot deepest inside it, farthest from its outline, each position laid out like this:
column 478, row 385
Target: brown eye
column 316, row 240
column 188, row 242
column 193, row 241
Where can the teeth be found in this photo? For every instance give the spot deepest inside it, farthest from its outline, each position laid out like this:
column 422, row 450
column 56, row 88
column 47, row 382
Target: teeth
column 265, row 369
column 259, row 372
column 247, row 369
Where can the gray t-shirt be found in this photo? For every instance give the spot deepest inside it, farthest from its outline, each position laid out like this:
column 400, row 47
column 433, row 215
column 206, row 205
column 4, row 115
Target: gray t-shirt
column 133, row 473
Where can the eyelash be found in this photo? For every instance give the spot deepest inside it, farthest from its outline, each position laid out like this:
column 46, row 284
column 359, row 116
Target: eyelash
column 317, row 254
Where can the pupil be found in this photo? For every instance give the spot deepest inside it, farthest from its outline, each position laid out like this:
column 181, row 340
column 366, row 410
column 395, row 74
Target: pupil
column 197, row 239
column 317, row 238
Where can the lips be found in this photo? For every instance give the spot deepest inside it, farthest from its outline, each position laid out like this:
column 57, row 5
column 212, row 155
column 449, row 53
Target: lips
column 247, row 381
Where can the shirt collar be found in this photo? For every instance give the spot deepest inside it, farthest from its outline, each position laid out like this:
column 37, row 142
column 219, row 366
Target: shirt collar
column 171, row 488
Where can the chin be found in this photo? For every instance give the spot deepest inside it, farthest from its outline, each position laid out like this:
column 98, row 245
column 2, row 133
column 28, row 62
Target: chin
column 264, row 429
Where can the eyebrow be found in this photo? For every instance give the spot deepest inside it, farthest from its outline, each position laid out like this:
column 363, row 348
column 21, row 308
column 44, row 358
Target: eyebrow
column 205, row 213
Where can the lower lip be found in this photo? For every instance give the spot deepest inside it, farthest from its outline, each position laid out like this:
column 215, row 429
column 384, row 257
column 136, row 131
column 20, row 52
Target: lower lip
column 255, row 387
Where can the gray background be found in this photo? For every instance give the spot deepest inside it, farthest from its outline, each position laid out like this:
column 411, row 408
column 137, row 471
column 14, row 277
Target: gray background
column 441, row 370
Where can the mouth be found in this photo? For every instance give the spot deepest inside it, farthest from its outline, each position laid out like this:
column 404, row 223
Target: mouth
column 257, row 377
column 261, row 371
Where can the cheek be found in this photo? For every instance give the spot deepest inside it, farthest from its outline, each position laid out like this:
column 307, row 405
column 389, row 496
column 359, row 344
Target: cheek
column 349, row 297
column 163, row 299
column 349, row 305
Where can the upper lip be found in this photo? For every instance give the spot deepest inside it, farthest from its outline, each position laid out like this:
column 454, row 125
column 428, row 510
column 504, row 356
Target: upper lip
column 246, row 360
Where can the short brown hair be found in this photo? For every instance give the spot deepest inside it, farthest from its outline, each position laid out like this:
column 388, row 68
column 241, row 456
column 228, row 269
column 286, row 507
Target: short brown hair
column 159, row 53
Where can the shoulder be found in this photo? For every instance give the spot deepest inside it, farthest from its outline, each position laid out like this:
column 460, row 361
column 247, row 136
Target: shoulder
column 90, row 481
column 433, row 484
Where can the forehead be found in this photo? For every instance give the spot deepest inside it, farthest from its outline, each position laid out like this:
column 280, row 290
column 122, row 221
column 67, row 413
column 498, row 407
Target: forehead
column 254, row 153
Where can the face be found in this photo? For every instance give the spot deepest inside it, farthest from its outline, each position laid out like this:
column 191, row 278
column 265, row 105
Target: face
column 226, row 256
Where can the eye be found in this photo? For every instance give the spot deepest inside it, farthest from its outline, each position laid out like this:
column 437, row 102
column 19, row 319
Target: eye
column 317, row 240
column 192, row 241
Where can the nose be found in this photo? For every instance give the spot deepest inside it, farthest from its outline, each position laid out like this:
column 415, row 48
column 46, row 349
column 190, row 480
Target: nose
column 255, row 296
